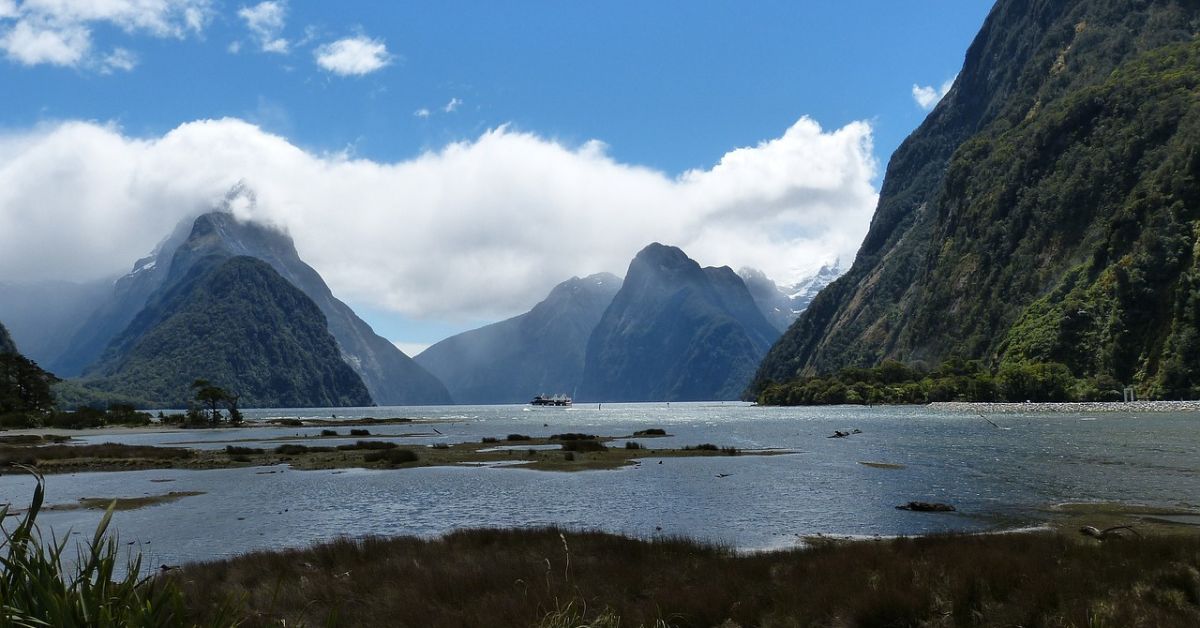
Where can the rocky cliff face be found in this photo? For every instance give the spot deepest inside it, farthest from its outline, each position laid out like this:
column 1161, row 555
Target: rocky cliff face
column 1046, row 209
column 675, row 331
column 540, row 351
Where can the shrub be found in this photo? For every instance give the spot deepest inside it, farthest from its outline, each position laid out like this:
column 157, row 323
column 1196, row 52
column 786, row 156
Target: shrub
column 290, row 422
column 392, row 456
column 291, row 450
column 516, row 437
column 702, row 447
column 573, row 436
column 583, row 445
column 569, row 456
column 489, row 439
column 730, row 451
column 234, row 450
column 367, row 444
column 329, row 433
column 632, row 445
column 360, row 432
column 17, row 421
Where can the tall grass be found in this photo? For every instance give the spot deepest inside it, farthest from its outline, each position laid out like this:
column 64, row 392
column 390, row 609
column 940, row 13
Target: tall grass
column 39, row 586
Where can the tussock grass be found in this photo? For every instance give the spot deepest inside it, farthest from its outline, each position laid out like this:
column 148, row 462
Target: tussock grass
column 554, row 578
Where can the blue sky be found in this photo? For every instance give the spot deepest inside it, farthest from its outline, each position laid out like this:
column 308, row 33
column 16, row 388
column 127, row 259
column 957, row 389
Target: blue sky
column 665, row 86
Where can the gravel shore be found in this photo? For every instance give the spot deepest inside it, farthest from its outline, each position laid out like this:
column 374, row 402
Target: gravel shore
column 1073, row 408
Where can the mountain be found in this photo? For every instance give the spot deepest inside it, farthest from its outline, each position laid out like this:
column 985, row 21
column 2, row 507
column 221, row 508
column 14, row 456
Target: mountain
column 392, row 377
column 675, row 332
column 117, row 306
column 235, row 322
column 43, row 316
column 779, row 305
column 1046, row 210
column 6, row 342
column 540, row 351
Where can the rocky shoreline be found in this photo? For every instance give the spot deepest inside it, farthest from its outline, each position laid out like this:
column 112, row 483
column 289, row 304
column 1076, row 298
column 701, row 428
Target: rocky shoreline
column 1066, row 408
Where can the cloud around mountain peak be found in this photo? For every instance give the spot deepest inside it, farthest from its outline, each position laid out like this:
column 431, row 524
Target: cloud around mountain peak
column 480, row 227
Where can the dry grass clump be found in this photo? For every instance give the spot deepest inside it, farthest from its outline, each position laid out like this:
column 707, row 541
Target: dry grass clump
column 526, row 578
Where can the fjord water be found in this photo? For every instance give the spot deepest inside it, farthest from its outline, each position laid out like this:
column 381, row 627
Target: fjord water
column 999, row 478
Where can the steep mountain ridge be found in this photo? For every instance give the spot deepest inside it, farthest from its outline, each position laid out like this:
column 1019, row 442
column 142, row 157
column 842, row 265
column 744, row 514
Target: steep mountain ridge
column 675, row 332
column 236, row 322
column 118, row 306
column 540, row 351
column 1057, row 164
column 6, row 342
column 391, row 377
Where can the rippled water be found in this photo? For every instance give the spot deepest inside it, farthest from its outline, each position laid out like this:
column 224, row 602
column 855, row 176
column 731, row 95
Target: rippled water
column 998, row 478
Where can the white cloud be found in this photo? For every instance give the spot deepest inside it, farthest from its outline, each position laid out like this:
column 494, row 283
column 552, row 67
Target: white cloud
column 119, row 59
column 478, row 229
column 59, row 32
column 266, row 21
column 929, row 96
column 353, row 56
column 422, row 113
column 453, row 105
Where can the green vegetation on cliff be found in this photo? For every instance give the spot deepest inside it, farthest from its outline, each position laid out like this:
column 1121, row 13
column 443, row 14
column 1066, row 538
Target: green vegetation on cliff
column 1048, row 211
column 237, row 323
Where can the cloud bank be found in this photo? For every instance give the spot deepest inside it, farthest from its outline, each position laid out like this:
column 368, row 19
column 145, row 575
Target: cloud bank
column 59, row 32
column 479, row 228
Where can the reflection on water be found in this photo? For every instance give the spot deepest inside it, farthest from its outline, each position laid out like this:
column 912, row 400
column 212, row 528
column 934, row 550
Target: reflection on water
column 997, row 478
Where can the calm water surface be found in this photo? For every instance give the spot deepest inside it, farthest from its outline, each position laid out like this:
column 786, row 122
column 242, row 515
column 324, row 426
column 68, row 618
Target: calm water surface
column 998, row 478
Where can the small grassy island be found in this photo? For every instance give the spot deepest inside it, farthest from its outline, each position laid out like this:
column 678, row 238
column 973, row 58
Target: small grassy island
column 558, row 452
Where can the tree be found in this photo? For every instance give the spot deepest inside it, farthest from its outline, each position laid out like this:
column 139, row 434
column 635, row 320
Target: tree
column 210, row 395
column 24, row 386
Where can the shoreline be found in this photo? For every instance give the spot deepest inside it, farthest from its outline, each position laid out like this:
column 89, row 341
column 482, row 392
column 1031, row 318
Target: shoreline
column 1064, row 407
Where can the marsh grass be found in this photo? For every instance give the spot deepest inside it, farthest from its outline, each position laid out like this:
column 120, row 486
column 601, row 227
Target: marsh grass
column 531, row 578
